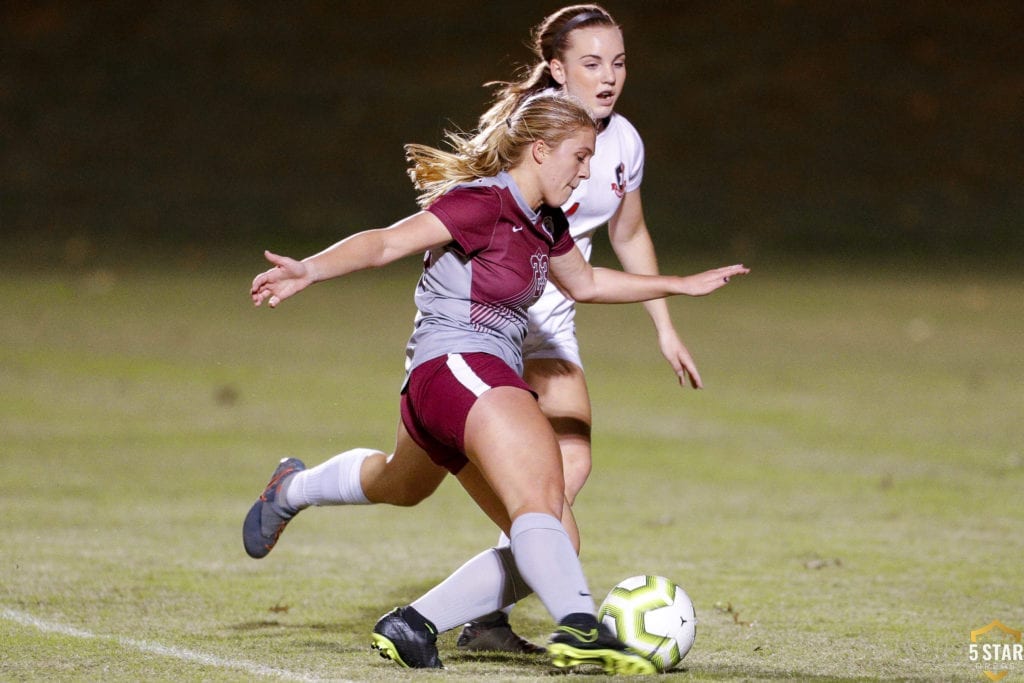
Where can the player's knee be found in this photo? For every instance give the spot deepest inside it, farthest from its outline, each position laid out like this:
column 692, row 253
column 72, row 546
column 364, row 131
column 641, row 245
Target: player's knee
column 576, row 466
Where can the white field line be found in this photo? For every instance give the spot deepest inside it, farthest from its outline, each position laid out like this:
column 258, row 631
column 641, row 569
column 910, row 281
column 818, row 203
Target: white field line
column 155, row 648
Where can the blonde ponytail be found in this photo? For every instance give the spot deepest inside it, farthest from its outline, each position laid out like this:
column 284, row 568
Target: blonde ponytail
column 551, row 117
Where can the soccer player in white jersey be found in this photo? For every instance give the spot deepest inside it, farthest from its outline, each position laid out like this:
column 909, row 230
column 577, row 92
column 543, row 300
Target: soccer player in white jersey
column 491, row 239
column 580, row 50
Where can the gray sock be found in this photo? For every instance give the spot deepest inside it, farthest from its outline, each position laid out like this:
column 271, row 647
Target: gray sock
column 547, row 561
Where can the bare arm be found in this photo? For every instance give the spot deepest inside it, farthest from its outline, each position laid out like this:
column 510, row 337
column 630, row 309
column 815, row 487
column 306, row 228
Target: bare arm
column 627, row 232
column 583, row 283
column 367, row 249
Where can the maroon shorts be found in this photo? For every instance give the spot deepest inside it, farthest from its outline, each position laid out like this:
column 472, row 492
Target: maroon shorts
column 438, row 397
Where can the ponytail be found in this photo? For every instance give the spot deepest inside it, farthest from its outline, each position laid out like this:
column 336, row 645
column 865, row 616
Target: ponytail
column 499, row 146
column 549, row 40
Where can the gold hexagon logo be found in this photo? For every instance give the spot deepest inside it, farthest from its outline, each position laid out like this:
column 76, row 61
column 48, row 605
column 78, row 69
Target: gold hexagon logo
column 1009, row 633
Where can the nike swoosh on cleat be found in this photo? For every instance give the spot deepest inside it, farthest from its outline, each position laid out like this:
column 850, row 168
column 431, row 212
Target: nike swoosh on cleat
column 584, row 636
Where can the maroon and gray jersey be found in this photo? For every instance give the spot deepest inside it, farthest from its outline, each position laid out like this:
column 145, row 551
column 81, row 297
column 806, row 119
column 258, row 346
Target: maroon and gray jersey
column 474, row 291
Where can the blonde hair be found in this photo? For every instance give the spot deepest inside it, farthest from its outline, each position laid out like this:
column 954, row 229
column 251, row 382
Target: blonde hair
column 549, row 40
column 499, row 146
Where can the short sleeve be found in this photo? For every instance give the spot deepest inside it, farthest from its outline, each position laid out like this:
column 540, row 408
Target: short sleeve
column 635, row 170
column 562, row 241
column 470, row 214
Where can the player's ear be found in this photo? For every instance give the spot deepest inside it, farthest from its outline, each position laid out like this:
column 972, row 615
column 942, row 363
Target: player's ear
column 557, row 70
column 540, row 150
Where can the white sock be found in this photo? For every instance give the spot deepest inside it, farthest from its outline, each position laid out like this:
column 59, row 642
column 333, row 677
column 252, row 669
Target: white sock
column 482, row 585
column 547, row 561
column 335, row 482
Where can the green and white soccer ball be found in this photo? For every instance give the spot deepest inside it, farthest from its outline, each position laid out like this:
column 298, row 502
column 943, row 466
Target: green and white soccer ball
column 652, row 615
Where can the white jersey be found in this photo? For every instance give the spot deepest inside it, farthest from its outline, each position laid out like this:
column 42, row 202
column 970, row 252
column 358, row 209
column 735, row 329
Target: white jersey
column 616, row 168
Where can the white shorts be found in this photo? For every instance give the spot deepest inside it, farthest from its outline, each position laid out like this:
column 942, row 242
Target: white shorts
column 552, row 333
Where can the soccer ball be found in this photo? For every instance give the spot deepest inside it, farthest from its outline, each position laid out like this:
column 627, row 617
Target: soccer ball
column 652, row 615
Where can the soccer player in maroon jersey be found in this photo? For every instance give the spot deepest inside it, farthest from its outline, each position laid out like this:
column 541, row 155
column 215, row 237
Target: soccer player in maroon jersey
column 491, row 241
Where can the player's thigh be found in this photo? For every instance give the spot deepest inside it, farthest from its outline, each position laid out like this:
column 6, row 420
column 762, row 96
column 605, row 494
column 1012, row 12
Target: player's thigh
column 480, row 491
column 406, row 477
column 512, row 444
column 562, row 395
column 564, row 399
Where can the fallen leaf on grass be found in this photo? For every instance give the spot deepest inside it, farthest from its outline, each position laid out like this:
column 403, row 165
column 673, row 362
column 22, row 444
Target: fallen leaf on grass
column 727, row 608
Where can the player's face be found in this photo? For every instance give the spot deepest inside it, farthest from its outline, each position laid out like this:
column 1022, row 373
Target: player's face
column 565, row 166
column 593, row 68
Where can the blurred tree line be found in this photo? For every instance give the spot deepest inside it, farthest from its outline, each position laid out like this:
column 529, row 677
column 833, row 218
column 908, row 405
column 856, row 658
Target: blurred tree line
column 863, row 127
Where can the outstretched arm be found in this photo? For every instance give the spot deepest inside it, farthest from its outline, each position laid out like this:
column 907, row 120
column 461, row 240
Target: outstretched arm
column 367, row 249
column 586, row 284
column 629, row 238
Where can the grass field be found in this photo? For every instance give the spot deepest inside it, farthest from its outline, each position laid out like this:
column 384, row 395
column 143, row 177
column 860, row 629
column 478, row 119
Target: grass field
column 842, row 502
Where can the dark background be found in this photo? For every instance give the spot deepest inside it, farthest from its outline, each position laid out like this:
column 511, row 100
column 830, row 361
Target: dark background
column 862, row 127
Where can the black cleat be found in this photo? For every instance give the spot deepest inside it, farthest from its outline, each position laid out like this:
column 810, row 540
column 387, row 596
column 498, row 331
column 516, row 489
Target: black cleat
column 493, row 633
column 581, row 639
column 267, row 518
column 404, row 636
